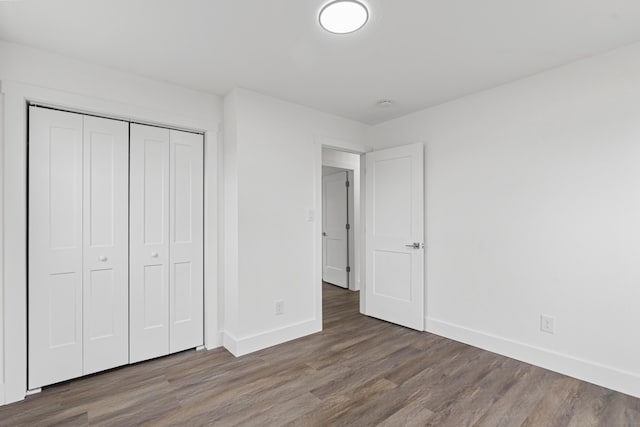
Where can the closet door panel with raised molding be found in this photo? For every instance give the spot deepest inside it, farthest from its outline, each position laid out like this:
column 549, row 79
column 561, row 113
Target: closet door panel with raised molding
column 55, row 246
column 106, row 244
column 186, row 234
column 149, row 242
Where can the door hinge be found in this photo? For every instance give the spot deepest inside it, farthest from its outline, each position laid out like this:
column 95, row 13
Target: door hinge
column 348, row 226
column 346, row 184
column 348, row 269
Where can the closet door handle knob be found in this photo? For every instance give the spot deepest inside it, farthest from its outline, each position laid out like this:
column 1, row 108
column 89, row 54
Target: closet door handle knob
column 102, row 258
column 154, row 254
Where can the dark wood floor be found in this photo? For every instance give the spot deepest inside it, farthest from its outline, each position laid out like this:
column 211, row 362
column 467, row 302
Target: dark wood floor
column 357, row 372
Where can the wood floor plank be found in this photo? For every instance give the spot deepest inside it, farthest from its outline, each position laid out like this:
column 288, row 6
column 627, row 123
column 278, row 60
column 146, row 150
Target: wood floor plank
column 358, row 371
column 515, row 404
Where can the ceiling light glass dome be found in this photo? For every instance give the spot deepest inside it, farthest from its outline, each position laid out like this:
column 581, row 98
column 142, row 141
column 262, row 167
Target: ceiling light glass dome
column 343, row 16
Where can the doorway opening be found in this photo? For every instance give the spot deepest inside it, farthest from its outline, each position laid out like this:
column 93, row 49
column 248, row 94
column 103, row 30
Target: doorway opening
column 394, row 256
column 341, row 210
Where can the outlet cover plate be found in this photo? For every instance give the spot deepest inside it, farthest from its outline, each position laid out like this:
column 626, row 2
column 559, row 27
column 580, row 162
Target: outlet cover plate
column 547, row 324
column 279, row 308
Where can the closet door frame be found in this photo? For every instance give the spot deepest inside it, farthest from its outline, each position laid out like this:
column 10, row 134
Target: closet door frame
column 13, row 307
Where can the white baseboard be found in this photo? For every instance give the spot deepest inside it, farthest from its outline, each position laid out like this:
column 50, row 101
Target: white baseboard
column 217, row 342
column 2, row 396
column 596, row 373
column 34, row 391
column 251, row 343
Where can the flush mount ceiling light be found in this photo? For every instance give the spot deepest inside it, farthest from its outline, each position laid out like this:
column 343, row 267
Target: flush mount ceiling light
column 343, row 16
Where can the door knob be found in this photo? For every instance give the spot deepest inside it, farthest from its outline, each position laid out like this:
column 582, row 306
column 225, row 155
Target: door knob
column 324, row 233
column 154, row 254
column 102, row 258
column 415, row 245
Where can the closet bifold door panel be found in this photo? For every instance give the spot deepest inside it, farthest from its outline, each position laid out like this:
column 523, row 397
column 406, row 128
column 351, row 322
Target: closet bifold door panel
column 166, row 241
column 149, row 242
column 106, row 244
column 78, row 229
column 115, row 243
column 186, row 249
column 55, row 246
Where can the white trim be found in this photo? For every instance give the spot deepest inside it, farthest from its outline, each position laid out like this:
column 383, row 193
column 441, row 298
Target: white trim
column 342, row 145
column 245, row 345
column 217, row 342
column 2, row 343
column 34, row 391
column 212, row 337
column 15, row 226
column 586, row 370
column 359, row 219
column 316, row 279
column 16, row 96
column 229, row 341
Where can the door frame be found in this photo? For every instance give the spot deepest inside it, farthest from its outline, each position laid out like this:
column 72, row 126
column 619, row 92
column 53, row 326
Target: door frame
column 358, row 215
column 13, row 306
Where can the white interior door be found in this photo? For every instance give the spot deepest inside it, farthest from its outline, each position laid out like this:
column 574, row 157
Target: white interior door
column 106, row 244
column 55, row 246
column 335, row 249
column 395, row 235
column 149, row 242
column 186, row 249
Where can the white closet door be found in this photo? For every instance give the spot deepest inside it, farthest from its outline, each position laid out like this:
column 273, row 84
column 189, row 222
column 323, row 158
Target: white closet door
column 55, row 246
column 186, row 234
column 106, row 245
column 149, row 242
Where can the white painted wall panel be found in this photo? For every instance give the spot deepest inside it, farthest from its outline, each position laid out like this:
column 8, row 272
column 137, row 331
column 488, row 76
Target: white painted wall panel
column 533, row 208
column 272, row 181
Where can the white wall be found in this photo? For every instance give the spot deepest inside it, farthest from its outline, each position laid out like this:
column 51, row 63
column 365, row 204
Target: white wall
column 533, row 207
column 47, row 70
column 273, row 168
column 28, row 74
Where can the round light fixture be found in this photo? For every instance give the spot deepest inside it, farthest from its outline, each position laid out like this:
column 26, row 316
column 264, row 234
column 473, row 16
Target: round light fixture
column 343, row 16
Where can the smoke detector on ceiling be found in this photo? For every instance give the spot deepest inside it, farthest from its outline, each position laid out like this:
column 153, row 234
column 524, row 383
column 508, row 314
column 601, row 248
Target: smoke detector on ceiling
column 384, row 103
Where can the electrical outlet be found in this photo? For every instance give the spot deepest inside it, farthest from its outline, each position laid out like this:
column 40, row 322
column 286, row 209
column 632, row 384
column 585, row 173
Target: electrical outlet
column 279, row 308
column 546, row 324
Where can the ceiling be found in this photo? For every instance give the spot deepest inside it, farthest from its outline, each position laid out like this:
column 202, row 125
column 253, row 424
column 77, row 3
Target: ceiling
column 419, row 53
